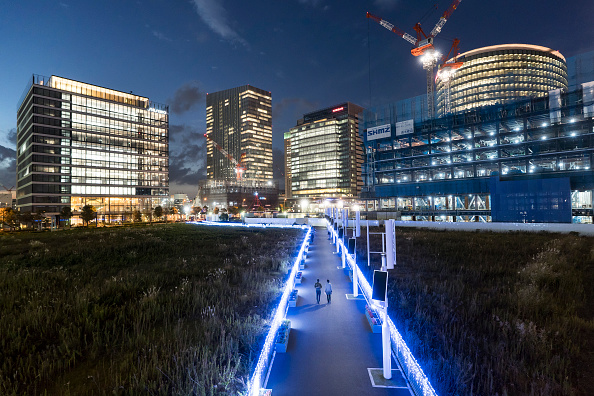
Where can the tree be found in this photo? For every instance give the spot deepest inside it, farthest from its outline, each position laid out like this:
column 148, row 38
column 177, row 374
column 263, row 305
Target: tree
column 234, row 210
column 149, row 214
column 136, row 216
column 204, row 209
column 224, row 217
column 29, row 218
column 158, row 212
column 166, row 212
column 88, row 213
column 216, row 210
column 66, row 213
column 9, row 217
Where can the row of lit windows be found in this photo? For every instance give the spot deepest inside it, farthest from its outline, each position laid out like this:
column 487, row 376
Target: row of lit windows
column 114, row 110
column 515, row 57
column 510, row 166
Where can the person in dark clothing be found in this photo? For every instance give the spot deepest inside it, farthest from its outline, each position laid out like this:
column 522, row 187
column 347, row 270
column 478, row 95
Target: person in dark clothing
column 318, row 287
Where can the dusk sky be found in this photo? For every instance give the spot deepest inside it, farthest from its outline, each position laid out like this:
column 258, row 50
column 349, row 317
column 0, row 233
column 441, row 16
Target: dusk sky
column 310, row 54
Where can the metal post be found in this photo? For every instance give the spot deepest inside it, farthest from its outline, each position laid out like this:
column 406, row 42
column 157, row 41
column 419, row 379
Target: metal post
column 384, row 262
column 368, row 254
column 358, row 223
column 390, row 248
column 343, row 255
column 386, row 344
column 355, row 281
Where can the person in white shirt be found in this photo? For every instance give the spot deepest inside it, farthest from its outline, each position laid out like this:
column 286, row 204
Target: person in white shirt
column 328, row 291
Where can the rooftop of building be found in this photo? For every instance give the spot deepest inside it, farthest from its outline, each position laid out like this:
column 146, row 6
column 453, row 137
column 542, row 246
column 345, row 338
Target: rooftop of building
column 241, row 89
column 79, row 87
column 503, row 47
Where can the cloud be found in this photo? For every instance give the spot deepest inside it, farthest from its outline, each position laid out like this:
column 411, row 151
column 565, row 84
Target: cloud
column 160, row 36
column 12, row 136
column 296, row 106
column 186, row 97
column 187, row 157
column 214, row 15
column 312, row 3
column 7, row 167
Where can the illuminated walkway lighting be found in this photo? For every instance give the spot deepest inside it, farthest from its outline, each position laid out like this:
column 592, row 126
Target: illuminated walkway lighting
column 281, row 310
column 412, row 370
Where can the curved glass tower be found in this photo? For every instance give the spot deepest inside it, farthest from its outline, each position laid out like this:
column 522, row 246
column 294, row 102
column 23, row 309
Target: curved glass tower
column 501, row 74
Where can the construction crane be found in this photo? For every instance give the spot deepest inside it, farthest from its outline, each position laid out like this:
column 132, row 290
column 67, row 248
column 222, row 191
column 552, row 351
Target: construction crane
column 423, row 46
column 239, row 167
column 446, row 72
column 9, row 190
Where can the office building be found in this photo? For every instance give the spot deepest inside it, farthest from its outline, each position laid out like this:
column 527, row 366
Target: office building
column 326, row 153
column 239, row 150
column 287, row 141
column 500, row 74
column 239, row 131
column 80, row 144
column 525, row 161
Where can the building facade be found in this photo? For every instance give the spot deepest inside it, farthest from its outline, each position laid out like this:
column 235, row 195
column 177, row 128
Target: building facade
column 500, row 74
column 326, row 153
column 526, row 161
column 239, row 120
column 287, row 146
column 80, row 144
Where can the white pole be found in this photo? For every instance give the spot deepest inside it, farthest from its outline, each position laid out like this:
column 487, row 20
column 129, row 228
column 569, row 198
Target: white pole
column 355, row 282
column 390, row 258
column 386, row 345
column 358, row 223
column 368, row 254
column 343, row 255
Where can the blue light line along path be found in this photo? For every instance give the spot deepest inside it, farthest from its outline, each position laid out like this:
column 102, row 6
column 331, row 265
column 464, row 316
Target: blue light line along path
column 331, row 346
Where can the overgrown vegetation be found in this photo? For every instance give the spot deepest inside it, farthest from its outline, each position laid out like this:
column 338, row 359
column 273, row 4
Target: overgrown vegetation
column 160, row 310
column 496, row 313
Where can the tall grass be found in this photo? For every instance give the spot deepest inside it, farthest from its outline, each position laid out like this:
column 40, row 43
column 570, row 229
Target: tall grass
column 162, row 310
column 496, row 314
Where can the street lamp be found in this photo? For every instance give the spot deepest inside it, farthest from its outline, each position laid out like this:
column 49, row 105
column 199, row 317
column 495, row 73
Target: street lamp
column 304, row 203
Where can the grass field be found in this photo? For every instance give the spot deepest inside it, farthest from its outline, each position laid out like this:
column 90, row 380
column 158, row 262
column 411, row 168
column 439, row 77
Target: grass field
column 163, row 310
column 496, row 313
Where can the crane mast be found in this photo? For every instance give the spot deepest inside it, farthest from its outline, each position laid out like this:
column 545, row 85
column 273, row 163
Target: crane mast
column 239, row 168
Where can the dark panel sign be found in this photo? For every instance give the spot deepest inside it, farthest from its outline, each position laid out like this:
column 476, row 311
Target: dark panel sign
column 380, row 285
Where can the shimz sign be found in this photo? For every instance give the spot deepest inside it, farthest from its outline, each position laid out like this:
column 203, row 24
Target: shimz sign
column 378, row 132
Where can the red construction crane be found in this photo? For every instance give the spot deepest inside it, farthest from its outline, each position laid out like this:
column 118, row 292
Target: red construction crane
column 423, row 46
column 447, row 70
column 239, row 167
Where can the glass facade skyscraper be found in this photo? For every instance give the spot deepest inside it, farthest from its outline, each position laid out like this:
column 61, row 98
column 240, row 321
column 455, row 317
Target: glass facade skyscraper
column 326, row 153
column 80, row 144
column 501, row 74
column 239, row 120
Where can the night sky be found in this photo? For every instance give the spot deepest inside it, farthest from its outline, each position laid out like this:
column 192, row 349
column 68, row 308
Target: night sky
column 310, row 54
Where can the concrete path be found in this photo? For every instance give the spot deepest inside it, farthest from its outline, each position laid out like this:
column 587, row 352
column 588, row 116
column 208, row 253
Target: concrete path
column 331, row 346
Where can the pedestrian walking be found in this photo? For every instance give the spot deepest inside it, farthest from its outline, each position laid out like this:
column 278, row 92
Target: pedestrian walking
column 318, row 287
column 328, row 291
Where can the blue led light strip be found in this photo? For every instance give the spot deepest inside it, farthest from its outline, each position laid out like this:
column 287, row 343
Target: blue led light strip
column 415, row 375
column 256, row 382
column 279, row 314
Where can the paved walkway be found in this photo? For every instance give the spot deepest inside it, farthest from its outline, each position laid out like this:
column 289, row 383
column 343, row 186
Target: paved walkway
column 331, row 346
